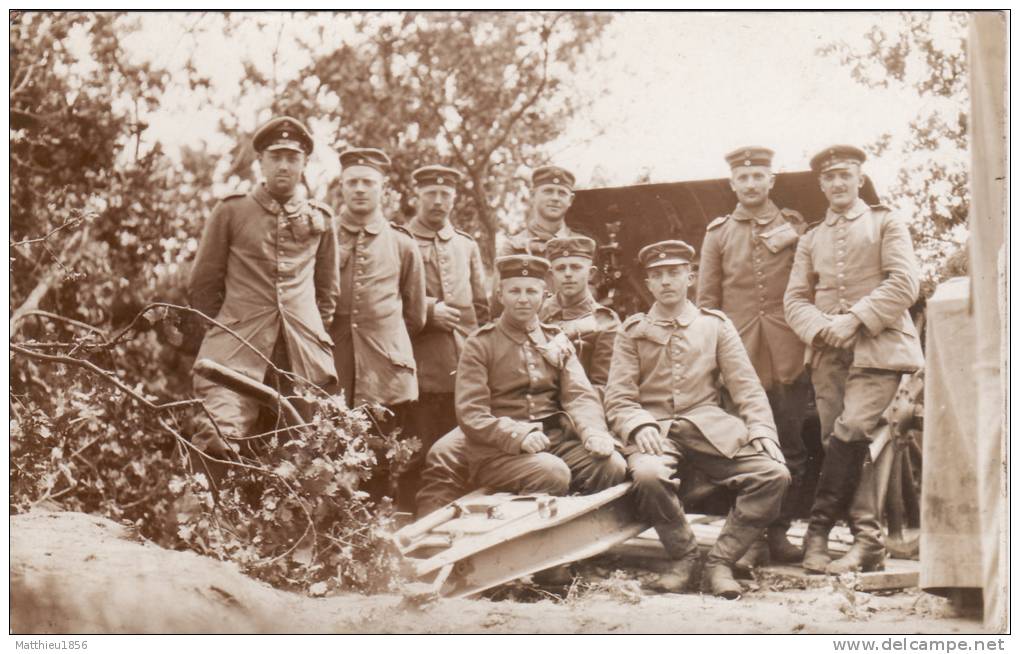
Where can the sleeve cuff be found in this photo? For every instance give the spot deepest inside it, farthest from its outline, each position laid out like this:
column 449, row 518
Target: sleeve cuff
column 868, row 317
column 637, row 423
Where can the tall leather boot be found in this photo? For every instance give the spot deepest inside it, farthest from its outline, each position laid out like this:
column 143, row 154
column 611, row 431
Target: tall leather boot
column 868, row 551
column 757, row 554
column 841, row 471
column 781, row 550
column 682, row 548
column 733, row 542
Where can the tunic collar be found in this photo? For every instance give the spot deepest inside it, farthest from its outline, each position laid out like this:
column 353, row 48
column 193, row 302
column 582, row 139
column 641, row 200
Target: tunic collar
column 579, row 309
column 516, row 333
column 418, row 228
column 687, row 315
column 269, row 203
column 373, row 227
column 764, row 216
column 855, row 211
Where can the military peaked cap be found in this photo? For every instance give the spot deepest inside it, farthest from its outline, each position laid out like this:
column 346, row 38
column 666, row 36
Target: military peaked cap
column 665, row 253
column 837, row 156
column 552, row 175
column 522, row 265
column 283, row 133
column 570, row 246
column 753, row 155
column 371, row 157
column 436, row 175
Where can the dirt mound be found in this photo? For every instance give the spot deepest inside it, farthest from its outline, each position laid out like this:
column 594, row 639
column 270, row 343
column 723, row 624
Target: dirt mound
column 76, row 573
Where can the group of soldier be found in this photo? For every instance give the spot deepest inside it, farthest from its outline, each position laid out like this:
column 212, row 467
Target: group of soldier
column 539, row 388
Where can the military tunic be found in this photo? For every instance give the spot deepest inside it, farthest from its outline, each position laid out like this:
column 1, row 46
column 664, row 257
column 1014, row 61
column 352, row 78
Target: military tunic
column 453, row 275
column 511, row 382
column 591, row 327
column 860, row 262
column 667, row 373
column 269, row 273
column 745, row 265
column 528, row 241
column 382, row 303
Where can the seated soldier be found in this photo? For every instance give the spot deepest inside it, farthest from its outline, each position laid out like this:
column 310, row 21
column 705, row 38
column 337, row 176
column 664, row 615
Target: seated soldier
column 591, row 328
column 532, row 420
column 663, row 399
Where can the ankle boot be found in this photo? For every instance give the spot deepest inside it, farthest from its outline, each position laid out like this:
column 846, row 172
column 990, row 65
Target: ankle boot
column 734, row 540
column 682, row 547
column 781, row 550
column 868, row 551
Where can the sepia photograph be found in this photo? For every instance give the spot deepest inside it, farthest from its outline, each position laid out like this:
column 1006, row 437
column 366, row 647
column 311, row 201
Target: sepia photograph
column 459, row 321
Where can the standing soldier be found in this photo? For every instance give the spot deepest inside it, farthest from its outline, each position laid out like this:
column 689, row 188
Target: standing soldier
column 533, row 422
column 664, row 400
column 745, row 265
column 455, row 297
column 266, row 268
column 382, row 296
column 590, row 326
column 382, row 290
column 854, row 278
column 552, row 193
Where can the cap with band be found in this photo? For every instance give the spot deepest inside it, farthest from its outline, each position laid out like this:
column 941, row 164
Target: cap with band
column 753, row 155
column 371, row 157
column 836, row 157
column 552, row 175
column 436, row 175
column 522, row 265
column 570, row 246
column 665, row 253
column 283, row 133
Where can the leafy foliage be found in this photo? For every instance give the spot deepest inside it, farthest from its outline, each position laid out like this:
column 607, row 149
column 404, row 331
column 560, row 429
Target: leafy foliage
column 101, row 225
column 924, row 52
column 479, row 91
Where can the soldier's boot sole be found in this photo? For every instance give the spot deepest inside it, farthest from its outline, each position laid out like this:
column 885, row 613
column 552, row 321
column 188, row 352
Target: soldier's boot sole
column 720, row 582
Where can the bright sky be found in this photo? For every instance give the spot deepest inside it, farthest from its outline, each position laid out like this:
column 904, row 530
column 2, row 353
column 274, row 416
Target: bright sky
column 672, row 95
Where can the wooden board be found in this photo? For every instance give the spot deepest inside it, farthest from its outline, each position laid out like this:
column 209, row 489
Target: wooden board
column 898, row 573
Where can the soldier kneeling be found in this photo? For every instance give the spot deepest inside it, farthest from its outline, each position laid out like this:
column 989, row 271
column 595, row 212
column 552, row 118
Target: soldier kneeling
column 532, row 420
column 663, row 398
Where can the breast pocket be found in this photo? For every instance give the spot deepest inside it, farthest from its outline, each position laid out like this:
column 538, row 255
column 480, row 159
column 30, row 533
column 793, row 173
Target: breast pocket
column 779, row 238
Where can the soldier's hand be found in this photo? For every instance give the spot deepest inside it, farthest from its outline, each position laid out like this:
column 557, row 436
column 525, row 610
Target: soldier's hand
column 768, row 447
column 445, row 316
column 600, row 446
column 535, row 442
column 648, row 440
column 842, row 331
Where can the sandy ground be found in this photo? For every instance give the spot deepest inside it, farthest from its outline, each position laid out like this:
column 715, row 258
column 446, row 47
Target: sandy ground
column 76, row 573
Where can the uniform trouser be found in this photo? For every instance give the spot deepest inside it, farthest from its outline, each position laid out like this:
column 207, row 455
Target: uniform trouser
column 850, row 399
column 789, row 406
column 564, row 468
column 445, row 475
column 759, row 481
column 235, row 414
column 426, row 419
column 343, row 356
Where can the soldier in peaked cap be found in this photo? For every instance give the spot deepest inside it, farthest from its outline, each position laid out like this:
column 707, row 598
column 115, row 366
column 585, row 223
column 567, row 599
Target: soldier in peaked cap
column 745, row 264
column 266, row 267
column 591, row 329
column 456, row 305
column 552, row 193
column 663, row 401
column 533, row 422
column 854, row 278
column 590, row 326
column 382, row 295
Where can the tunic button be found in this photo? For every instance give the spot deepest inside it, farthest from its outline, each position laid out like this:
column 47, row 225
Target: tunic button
column 354, row 325
column 842, row 288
